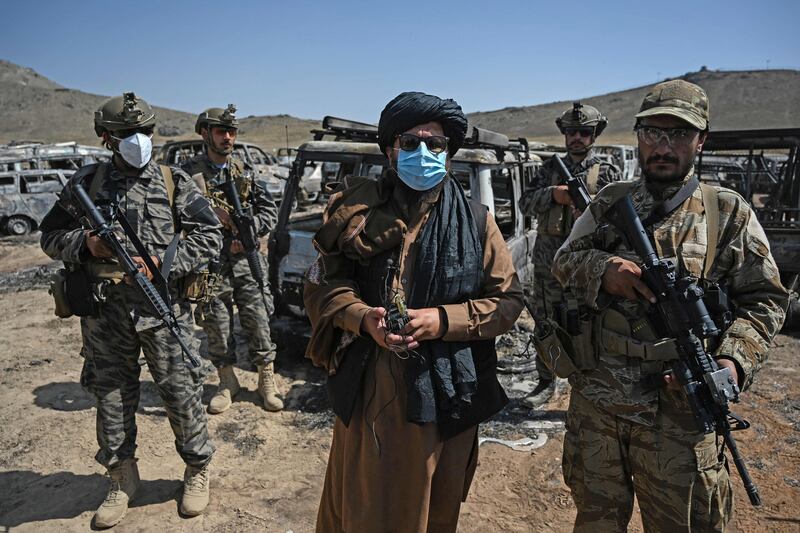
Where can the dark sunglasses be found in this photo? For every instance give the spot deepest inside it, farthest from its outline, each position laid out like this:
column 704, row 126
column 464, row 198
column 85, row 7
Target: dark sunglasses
column 224, row 129
column 583, row 132
column 410, row 142
column 122, row 134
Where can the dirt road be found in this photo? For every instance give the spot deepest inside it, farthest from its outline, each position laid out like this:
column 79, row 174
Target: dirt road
column 268, row 471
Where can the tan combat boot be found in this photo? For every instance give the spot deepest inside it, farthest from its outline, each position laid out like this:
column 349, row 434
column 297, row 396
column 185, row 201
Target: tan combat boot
column 124, row 482
column 267, row 388
column 195, row 490
column 228, row 388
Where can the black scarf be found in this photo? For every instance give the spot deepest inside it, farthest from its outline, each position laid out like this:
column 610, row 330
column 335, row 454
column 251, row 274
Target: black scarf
column 449, row 269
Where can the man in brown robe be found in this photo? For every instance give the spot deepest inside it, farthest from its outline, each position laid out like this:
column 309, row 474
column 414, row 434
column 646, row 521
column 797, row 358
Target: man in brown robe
column 408, row 396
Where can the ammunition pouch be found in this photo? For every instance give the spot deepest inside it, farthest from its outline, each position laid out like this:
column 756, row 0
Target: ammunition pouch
column 564, row 353
column 200, row 287
column 555, row 222
column 74, row 293
column 58, row 290
column 617, row 336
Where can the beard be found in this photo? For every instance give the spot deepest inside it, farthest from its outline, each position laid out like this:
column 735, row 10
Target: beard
column 679, row 172
column 579, row 148
column 411, row 197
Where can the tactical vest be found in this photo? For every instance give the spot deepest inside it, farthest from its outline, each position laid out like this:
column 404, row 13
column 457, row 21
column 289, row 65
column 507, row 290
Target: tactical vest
column 612, row 333
column 558, row 220
column 215, row 196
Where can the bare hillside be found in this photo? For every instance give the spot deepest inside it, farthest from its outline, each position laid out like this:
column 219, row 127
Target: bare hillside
column 740, row 99
column 36, row 108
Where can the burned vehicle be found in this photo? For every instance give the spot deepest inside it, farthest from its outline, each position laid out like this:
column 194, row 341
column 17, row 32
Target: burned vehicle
column 764, row 167
column 27, row 195
column 624, row 156
column 64, row 156
column 490, row 167
column 265, row 166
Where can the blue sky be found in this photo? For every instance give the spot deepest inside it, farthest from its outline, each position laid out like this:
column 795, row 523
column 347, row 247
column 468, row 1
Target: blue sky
column 348, row 58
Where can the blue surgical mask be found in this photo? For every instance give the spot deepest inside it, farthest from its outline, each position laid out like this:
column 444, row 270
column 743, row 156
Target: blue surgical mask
column 421, row 169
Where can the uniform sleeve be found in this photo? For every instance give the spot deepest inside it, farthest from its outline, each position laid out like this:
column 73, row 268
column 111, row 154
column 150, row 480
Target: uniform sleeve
column 539, row 198
column 502, row 299
column 266, row 211
column 202, row 239
column 755, row 287
column 579, row 262
column 609, row 174
column 62, row 236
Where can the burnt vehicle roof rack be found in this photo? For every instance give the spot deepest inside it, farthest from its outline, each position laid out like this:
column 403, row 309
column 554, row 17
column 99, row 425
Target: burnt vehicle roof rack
column 346, row 130
column 350, row 130
column 491, row 140
column 755, row 139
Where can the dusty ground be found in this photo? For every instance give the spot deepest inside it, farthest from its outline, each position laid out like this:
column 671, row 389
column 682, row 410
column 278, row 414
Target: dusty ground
column 268, row 471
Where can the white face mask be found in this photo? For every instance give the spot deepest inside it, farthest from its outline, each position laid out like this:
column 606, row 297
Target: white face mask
column 136, row 150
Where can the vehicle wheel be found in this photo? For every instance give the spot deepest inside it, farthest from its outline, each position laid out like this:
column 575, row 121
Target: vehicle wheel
column 18, row 226
column 313, row 197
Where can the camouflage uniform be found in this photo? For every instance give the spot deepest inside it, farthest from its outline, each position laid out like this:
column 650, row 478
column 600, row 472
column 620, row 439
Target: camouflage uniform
column 554, row 222
column 237, row 284
column 625, row 434
column 124, row 326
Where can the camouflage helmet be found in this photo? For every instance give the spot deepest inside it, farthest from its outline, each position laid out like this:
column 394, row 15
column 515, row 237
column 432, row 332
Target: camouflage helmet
column 582, row 115
column 216, row 116
column 121, row 113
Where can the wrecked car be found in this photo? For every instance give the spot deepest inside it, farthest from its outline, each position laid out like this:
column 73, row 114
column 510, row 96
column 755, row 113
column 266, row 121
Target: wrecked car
column 266, row 167
column 624, row 156
column 492, row 169
column 27, row 195
column 66, row 156
column 763, row 166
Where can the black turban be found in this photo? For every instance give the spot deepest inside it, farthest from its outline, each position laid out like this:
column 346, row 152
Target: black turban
column 414, row 108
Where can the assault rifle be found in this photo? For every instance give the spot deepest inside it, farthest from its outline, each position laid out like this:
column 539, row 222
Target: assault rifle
column 246, row 229
column 102, row 228
column 578, row 190
column 680, row 313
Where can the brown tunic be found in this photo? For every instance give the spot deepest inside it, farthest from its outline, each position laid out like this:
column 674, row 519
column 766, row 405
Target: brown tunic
column 384, row 473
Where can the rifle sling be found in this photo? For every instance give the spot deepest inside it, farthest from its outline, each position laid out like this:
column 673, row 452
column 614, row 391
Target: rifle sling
column 664, row 209
column 158, row 277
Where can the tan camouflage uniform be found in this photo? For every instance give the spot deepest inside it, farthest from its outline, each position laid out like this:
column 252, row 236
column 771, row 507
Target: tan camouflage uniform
column 625, row 435
column 554, row 222
column 113, row 340
column 237, row 283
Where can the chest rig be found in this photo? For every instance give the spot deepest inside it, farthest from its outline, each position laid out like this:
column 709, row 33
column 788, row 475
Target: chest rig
column 558, row 220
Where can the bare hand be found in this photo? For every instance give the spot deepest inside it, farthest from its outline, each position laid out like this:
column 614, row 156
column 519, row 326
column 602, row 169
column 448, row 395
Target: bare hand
column 226, row 219
column 621, row 278
column 236, row 246
column 96, row 246
column 143, row 267
column 425, row 324
column 561, row 195
column 374, row 324
column 672, row 382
